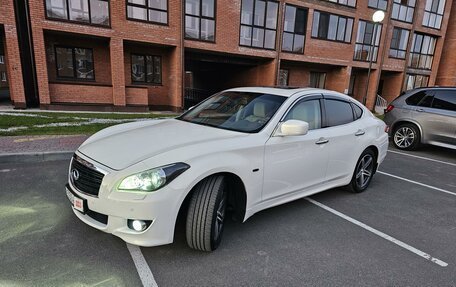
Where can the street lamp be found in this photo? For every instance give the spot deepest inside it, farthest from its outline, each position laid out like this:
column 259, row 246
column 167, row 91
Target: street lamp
column 378, row 17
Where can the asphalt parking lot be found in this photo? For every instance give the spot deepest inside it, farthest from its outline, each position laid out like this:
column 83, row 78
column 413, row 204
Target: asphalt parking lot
column 400, row 232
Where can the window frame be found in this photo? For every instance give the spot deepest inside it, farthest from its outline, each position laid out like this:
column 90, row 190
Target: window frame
column 435, row 13
column 146, row 6
column 399, row 41
column 376, row 7
column 288, row 76
column 319, row 78
column 326, row 39
column 2, row 59
column 414, row 81
column 375, row 45
column 133, row 82
column 345, row 5
column 252, row 26
column 73, row 55
column 200, row 17
column 407, row 7
column 67, row 20
column 420, row 53
column 3, row 77
column 294, row 28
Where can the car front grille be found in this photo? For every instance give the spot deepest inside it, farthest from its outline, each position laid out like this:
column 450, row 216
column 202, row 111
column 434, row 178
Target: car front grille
column 85, row 177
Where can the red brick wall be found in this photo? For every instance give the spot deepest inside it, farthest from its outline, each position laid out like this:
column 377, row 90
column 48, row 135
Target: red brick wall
column 12, row 54
column 74, row 93
column 447, row 69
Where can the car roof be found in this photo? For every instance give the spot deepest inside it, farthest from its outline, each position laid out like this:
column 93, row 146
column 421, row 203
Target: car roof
column 283, row 91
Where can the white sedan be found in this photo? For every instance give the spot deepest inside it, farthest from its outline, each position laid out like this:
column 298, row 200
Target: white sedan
column 241, row 151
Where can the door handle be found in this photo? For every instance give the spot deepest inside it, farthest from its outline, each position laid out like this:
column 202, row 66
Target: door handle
column 322, row 141
column 359, row 133
column 420, row 110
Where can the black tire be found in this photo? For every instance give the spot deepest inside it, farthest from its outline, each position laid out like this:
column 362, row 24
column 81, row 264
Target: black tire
column 406, row 137
column 363, row 173
column 206, row 214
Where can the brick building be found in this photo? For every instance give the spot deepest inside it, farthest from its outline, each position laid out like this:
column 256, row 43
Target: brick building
column 141, row 54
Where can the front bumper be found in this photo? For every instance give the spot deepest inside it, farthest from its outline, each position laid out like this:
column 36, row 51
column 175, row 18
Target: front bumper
column 110, row 214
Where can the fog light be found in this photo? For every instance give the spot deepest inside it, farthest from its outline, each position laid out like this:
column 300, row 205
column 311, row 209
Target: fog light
column 138, row 225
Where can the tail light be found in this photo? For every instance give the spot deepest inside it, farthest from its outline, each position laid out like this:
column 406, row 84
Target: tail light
column 389, row 108
column 387, row 129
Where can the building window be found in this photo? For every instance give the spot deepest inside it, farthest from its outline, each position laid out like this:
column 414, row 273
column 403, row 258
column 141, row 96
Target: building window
column 2, row 59
column 200, row 20
column 422, row 52
column 3, row 76
column 351, row 3
column 399, row 43
column 155, row 11
column 283, row 77
column 378, row 4
column 332, row 27
column 403, row 10
column 364, row 41
column 146, row 69
column 416, row 81
column 258, row 24
column 317, row 80
column 433, row 13
column 74, row 63
column 294, row 29
column 85, row 11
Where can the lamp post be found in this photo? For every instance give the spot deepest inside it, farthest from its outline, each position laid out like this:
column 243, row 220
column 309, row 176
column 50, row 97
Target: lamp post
column 378, row 17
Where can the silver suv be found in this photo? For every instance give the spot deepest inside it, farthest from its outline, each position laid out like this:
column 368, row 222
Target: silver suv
column 425, row 115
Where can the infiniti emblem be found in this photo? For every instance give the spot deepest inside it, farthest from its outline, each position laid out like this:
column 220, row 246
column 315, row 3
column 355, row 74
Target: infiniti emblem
column 75, row 174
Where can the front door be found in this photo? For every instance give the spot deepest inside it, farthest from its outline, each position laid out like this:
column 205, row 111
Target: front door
column 296, row 163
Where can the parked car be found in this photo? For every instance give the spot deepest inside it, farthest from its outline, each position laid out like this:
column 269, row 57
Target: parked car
column 423, row 116
column 243, row 150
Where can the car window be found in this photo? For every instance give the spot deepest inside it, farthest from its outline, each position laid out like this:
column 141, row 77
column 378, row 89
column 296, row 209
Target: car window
column 308, row 111
column 445, row 100
column 358, row 111
column 414, row 99
column 338, row 112
column 426, row 102
column 238, row 111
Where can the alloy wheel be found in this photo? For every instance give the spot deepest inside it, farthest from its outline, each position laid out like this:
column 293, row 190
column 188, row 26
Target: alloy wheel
column 220, row 218
column 404, row 137
column 364, row 170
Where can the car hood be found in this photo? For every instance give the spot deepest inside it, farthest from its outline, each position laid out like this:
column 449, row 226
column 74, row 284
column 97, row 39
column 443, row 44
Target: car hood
column 121, row 146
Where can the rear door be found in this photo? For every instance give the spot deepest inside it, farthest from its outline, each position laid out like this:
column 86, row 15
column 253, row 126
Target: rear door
column 343, row 133
column 436, row 115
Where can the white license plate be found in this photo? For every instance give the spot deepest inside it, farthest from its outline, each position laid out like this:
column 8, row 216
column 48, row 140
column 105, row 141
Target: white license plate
column 77, row 203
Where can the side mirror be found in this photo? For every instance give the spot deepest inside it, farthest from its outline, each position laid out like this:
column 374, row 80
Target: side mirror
column 293, row 128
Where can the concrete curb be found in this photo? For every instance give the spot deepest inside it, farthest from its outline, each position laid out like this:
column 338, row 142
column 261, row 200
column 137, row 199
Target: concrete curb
column 35, row 156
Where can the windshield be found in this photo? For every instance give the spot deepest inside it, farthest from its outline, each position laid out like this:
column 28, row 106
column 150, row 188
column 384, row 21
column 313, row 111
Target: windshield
column 238, row 111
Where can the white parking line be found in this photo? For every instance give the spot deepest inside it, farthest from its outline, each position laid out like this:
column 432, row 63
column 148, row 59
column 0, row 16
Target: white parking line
column 145, row 274
column 381, row 234
column 422, row 157
column 418, row 183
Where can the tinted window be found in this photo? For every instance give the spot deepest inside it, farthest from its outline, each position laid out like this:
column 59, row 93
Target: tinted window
column 445, row 100
column 358, row 111
column 308, row 111
column 426, row 102
column 414, row 99
column 338, row 112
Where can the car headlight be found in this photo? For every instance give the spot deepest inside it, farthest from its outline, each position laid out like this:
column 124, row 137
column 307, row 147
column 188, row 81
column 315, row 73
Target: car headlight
column 152, row 179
